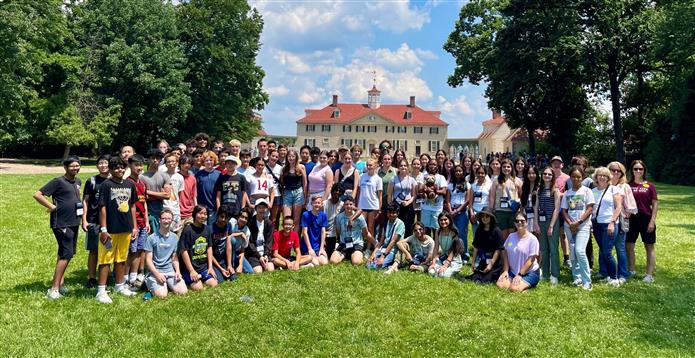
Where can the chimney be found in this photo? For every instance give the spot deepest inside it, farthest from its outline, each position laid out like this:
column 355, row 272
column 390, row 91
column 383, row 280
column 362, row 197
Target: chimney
column 496, row 114
column 335, row 100
column 412, row 101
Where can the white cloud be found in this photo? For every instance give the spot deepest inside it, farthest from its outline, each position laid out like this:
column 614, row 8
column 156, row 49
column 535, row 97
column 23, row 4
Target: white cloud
column 277, row 90
column 292, row 62
column 458, row 106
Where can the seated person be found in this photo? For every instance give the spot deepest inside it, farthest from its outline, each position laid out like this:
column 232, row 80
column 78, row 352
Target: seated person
column 314, row 224
column 521, row 250
column 260, row 246
column 448, row 247
column 286, row 253
column 162, row 262
column 488, row 246
column 415, row 252
column 195, row 249
column 223, row 251
column 351, row 232
column 240, row 240
column 385, row 251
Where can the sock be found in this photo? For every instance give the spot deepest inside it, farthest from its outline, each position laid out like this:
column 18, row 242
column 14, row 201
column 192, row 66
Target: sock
column 141, row 276
column 118, row 287
column 100, row 289
column 132, row 276
column 567, row 257
column 125, row 278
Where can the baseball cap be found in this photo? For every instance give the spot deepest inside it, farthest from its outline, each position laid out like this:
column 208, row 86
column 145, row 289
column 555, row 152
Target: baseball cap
column 557, row 157
column 262, row 202
column 232, row 158
column 343, row 147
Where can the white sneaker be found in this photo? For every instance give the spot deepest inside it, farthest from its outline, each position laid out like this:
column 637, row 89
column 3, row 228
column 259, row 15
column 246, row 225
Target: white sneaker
column 648, row 279
column 103, row 297
column 53, row 294
column 622, row 280
column 125, row 291
column 553, row 280
column 587, row 286
column 614, row 283
column 389, row 271
column 577, row 282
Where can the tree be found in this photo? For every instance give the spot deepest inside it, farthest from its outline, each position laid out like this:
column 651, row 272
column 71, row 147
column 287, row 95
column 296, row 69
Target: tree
column 221, row 40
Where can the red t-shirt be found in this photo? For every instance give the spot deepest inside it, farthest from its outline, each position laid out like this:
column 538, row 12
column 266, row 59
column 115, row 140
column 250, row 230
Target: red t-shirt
column 141, row 190
column 284, row 243
column 561, row 181
column 644, row 194
column 187, row 195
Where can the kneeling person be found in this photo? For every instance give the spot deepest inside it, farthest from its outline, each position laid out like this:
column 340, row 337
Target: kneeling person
column 161, row 259
column 286, row 253
column 351, row 233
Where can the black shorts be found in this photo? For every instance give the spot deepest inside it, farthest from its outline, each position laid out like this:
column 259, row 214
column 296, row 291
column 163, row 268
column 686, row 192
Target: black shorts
column 253, row 261
column 638, row 226
column 348, row 252
column 67, row 241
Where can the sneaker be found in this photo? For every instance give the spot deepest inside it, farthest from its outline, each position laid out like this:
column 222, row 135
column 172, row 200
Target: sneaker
column 568, row 263
column 63, row 290
column 103, row 297
column 577, row 282
column 91, row 283
column 52, row 294
column 133, row 287
column 125, row 291
column 648, row 279
column 613, row 283
column 631, row 273
column 622, row 280
column 553, row 280
column 587, row 286
column 389, row 271
column 138, row 283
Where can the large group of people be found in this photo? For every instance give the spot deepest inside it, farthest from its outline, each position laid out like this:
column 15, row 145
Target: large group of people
column 200, row 213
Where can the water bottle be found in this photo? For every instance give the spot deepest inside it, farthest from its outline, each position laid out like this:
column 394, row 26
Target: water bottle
column 246, row 299
column 108, row 245
column 147, row 296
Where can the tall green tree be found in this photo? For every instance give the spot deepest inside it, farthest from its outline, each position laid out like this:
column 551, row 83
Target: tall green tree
column 221, row 39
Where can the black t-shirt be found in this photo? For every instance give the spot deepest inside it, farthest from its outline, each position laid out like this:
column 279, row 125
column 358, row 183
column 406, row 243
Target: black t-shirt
column 91, row 188
column 488, row 241
column 65, row 195
column 195, row 240
column 118, row 199
column 232, row 188
column 219, row 240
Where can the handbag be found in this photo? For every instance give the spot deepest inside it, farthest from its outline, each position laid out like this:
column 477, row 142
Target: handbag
column 624, row 223
column 515, row 205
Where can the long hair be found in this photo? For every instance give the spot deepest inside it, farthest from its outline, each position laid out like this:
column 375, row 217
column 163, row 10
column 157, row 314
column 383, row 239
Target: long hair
column 502, row 177
column 527, row 188
column 457, row 246
column 631, row 173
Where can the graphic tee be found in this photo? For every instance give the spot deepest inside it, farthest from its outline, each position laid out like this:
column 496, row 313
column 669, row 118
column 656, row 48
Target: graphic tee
column 231, row 188
column 576, row 203
column 118, row 199
column 195, row 240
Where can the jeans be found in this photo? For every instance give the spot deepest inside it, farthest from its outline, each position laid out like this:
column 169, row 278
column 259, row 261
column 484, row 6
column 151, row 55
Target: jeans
column 461, row 223
column 388, row 260
column 606, row 243
column 550, row 256
column 578, row 258
column 622, row 255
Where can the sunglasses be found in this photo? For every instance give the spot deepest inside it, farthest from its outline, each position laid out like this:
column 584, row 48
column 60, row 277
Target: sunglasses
column 519, row 221
column 637, row 169
column 616, row 171
column 547, row 174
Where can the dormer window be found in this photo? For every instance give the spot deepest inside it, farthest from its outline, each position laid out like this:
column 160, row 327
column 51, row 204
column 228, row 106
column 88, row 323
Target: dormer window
column 336, row 113
column 408, row 114
column 372, row 117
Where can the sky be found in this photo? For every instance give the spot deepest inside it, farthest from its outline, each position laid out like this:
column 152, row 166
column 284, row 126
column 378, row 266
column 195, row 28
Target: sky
column 314, row 49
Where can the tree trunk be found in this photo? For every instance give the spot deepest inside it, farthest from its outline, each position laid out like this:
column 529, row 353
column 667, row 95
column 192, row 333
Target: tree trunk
column 531, row 142
column 615, row 105
column 66, row 151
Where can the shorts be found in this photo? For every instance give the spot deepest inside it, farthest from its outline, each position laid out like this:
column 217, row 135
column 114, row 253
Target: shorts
column 367, row 211
column 505, row 219
column 67, row 241
column 91, row 243
column 204, row 276
column 429, row 218
column 531, row 278
column 293, row 197
column 119, row 250
column 154, row 222
column 139, row 243
column 638, row 226
column 347, row 253
column 253, row 261
column 153, row 285
column 277, row 201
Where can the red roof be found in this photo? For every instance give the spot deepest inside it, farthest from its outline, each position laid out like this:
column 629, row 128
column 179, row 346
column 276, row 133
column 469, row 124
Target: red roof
column 262, row 132
column 350, row 112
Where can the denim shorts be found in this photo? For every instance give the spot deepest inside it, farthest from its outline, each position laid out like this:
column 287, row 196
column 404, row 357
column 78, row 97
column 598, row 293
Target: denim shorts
column 293, row 197
column 531, row 278
column 139, row 243
column 429, row 218
column 204, row 276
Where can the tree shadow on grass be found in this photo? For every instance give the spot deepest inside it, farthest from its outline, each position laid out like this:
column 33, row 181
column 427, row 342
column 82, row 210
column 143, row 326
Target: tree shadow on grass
column 74, row 281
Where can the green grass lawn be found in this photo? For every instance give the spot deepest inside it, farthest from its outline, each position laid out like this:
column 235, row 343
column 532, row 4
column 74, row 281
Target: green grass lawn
column 343, row 310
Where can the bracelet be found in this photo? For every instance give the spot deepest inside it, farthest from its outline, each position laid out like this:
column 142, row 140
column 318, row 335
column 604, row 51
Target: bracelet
column 103, row 229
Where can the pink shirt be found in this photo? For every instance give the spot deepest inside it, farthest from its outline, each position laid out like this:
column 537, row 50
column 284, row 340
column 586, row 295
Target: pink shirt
column 187, row 196
column 317, row 179
column 518, row 251
column 560, row 182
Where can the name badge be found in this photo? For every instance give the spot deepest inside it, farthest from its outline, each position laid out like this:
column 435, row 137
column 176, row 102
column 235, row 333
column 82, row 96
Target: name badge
column 79, row 209
column 488, row 261
column 348, row 243
column 529, row 213
column 542, row 217
column 478, row 197
column 504, row 202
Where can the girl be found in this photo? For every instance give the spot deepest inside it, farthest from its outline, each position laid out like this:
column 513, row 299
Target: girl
column 195, row 249
column 448, row 247
column 449, row 165
column 494, row 166
column 398, row 155
column 416, row 173
column 369, row 203
column 402, row 189
column 240, row 236
column 440, row 157
column 488, row 246
column 466, row 163
column 629, row 208
column 504, row 196
column 261, row 185
column 480, row 191
column 293, row 178
column 546, row 223
column 577, row 207
column 274, row 170
column 457, row 203
column 529, row 191
column 332, row 157
column 348, row 177
column 320, row 180
column 609, row 204
column 357, row 158
column 520, row 258
column 644, row 222
column 520, row 166
column 424, row 159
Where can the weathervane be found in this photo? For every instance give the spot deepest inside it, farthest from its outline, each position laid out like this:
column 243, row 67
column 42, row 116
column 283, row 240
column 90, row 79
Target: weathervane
column 373, row 72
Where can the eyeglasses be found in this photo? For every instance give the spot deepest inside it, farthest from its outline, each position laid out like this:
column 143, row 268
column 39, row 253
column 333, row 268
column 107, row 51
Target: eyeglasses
column 519, row 221
column 547, row 174
column 616, row 171
column 637, row 169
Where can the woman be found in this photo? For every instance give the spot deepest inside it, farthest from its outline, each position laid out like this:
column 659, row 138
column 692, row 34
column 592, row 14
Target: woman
column 480, row 190
column 332, row 157
column 488, row 247
column 577, row 207
column 348, row 177
column 416, row 173
column 195, row 249
column 369, row 202
column 424, row 159
column 629, row 208
column 609, row 204
column 644, row 222
column 403, row 189
column 520, row 166
column 547, row 224
column 261, row 185
column 319, row 180
column 293, row 178
column 440, row 156
column 520, row 256
column 274, row 170
column 448, row 247
column 457, row 202
column 360, row 164
column 529, row 190
column 504, row 197
column 398, row 155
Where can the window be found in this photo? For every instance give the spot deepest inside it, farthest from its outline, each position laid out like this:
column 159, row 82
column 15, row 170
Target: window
column 347, row 128
column 359, row 129
column 417, row 130
column 434, row 130
column 362, row 143
column 336, row 113
column 401, row 144
column 310, row 128
column 346, row 142
column 408, row 114
column 371, row 129
column 434, row 145
column 390, row 129
column 310, row 142
column 325, row 128
column 402, row 129
column 372, row 117
column 325, row 141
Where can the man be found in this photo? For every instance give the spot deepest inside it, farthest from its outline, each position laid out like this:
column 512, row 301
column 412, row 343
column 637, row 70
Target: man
column 163, row 267
column 136, row 255
column 197, row 162
column 188, row 198
column 286, row 253
column 262, row 147
column 230, row 188
column 117, row 218
column 125, row 153
column 90, row 217
column 173, row 184
column 66, row 213
column 560, row 180
column 156, row 184
column 305, row 158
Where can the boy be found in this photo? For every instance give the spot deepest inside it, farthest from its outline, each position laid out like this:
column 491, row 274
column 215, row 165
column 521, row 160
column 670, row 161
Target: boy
column 136, row 255
column 230, row 188
column 352, row 233
column 90, row 217
column 223, row 247
column 174, row 185
column 117, row 218
column 260, row 244
column 415, row 251
column 332, row 207
column 156, row 192
column 286, row 253
column 385, row 251
column 66, row 213
column 163, row 269
column 188, row 198
column 314, row 225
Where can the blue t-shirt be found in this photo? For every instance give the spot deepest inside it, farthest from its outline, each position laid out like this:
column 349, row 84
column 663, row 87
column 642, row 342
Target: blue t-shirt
column 206, row 187
column 162, row 248
column 309, row 166
column 313, row 223
column 219, row 239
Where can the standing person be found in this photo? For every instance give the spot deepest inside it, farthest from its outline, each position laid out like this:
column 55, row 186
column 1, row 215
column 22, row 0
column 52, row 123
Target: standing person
column 260, row 248
column 386, row 173
column 333, row 161
column 261, row 185
column 351, row 234
column 223, row 245
column 520, row 258
column 125, row 153
column 294, row 179
column 402, row 189
column 235, row 148
column 347, row 176
column 274, row 170
column 424, row 160
column 481, row 192
column 136, row 255
column 206, row 178
column 319, row 180
column 286, row 252
column 504, row 196
column 629, row 208
column 458, row 201
column 529, row 194
column 117, row 219
column 370, row 197
column 441, row 157
column 90, row 217
column 643, row 223
column 546, row 215
column 66, row 211
column 305, row 155
column 577, row 207
column 360, row 164
column 230, row 189
column 433, row 191
column 419, row 177
column 202, row 140
column 520, row 166
column 448, row 248
column 560, row 179
column 398, row 155
column 415, row 251
column 155, row 182
column 174, row 185
column 332, row 207
column 195, row 249
column 495, row 166
column 609, row 205
column 314, row 224
column 188, row 198
column 488, row 247
column 385, row 252
column 262, row 148
column 164, row 273
column 282, row 154
column 163, row 147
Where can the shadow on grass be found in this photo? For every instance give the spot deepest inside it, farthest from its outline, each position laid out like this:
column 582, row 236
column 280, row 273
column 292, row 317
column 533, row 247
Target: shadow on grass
column 74, row 281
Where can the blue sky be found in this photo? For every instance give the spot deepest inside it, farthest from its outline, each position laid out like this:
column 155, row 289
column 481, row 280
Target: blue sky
column 314, row 49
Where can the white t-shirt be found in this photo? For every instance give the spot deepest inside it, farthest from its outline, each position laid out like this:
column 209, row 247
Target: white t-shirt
column 576, row 203
column 177, row 186
column 605, row 211
column 277, row 171
column 368, row 191
column 480, row 195
column 438, row 203
column 458, row 197
column 261, row 186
